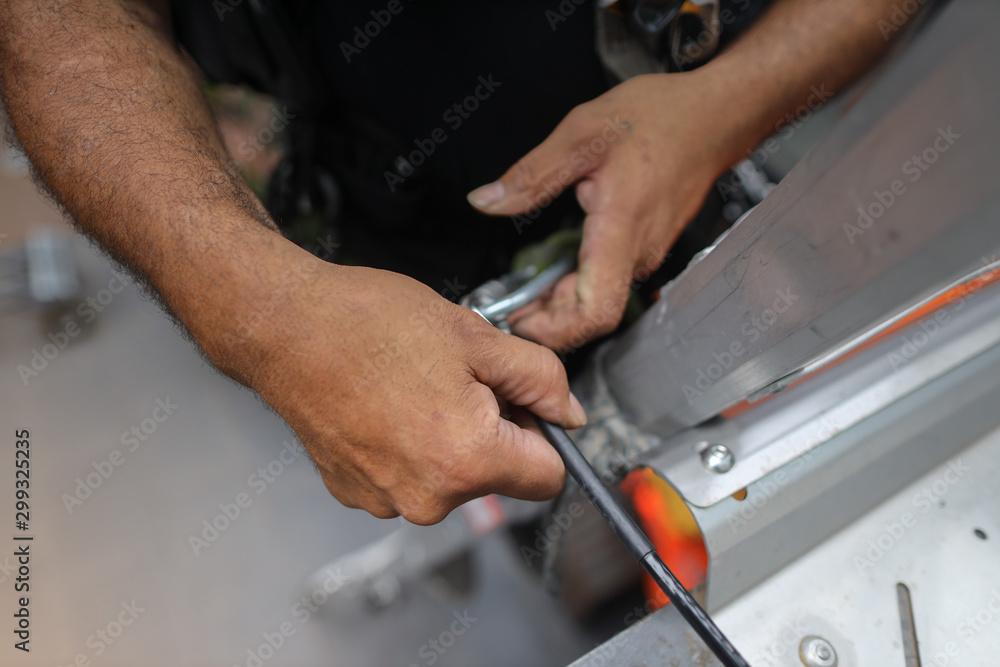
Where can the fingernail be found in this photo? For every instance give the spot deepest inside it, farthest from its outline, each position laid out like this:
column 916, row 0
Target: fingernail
column 487, row 195
column 577, row 410
column 584, row 291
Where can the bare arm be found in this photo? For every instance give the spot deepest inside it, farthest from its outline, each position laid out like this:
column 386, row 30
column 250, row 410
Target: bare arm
column 672, row 136
column 799, row 51
column 110, row 114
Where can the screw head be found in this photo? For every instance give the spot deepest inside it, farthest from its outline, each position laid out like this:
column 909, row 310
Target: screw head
column 717, row 458
column 817, row 652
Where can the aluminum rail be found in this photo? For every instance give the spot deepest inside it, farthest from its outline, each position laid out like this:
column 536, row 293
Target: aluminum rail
column 899, row 200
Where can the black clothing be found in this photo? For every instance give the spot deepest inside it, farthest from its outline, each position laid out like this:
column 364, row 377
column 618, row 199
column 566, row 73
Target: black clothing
column 379, row 86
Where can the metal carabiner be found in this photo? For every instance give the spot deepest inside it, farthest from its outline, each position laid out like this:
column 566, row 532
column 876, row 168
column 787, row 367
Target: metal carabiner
column 496, row 299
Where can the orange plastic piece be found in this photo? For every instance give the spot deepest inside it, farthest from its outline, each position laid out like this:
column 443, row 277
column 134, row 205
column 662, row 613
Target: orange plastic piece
column 671, row 527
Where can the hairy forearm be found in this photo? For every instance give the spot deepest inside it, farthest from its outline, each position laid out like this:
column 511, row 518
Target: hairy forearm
column 799, row 52
column 109, row 111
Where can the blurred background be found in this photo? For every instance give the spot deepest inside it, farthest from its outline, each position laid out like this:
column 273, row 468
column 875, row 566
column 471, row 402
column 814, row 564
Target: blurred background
column 141, row 457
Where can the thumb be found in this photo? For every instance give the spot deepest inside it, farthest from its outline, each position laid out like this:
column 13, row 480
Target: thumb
column 607, row 263
column 527, row 374
column 541, row 175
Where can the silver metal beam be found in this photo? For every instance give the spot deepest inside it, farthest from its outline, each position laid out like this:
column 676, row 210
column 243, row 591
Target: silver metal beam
column 799, row 505
column 899, row 200
column 845, row 589
column 770, row 435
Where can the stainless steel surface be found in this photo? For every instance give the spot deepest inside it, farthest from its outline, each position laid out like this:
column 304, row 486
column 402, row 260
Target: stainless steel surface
column 900, row 199
column 859, row 341
column 923, row 537
column 797, row 506
column 845, row 589
column 772, row 434
column 663, row 638
column 817, row 652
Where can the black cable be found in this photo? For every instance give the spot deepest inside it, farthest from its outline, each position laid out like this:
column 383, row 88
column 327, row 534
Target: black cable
column 639, row 546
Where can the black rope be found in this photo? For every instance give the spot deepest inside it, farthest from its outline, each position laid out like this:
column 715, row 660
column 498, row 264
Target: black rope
column 639, row 546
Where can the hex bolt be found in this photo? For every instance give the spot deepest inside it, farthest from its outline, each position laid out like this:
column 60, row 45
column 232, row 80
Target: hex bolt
column 717, row 458
column 817, row 652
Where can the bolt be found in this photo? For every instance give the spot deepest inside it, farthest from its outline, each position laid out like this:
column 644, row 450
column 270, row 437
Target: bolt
column 717, row 458
column 817, row 652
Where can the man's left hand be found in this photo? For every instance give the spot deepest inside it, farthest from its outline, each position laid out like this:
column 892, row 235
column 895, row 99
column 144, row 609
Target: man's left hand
column 642, row 157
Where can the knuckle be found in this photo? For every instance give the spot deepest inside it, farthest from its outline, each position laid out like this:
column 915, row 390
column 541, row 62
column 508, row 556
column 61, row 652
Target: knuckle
column 383, row 512
column 430, row 500
column 551, row 371
column 525, row 172
column 578, row 117
column 424, row 513
column 548, row 376
column 477, row 337
column 461, row 476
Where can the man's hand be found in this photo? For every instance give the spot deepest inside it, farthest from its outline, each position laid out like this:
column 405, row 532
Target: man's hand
column 644, row 155
column 639, row 179
column 393, row 389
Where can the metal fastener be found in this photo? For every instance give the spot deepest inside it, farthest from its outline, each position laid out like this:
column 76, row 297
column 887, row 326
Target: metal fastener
column 817, row 652
column 717, row 458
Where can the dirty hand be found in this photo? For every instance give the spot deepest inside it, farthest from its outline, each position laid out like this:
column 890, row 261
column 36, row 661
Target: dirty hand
column 394, row 391
column 643, row 156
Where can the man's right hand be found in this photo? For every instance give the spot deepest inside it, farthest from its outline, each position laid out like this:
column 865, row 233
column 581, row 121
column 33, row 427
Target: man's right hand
column 393, row 389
